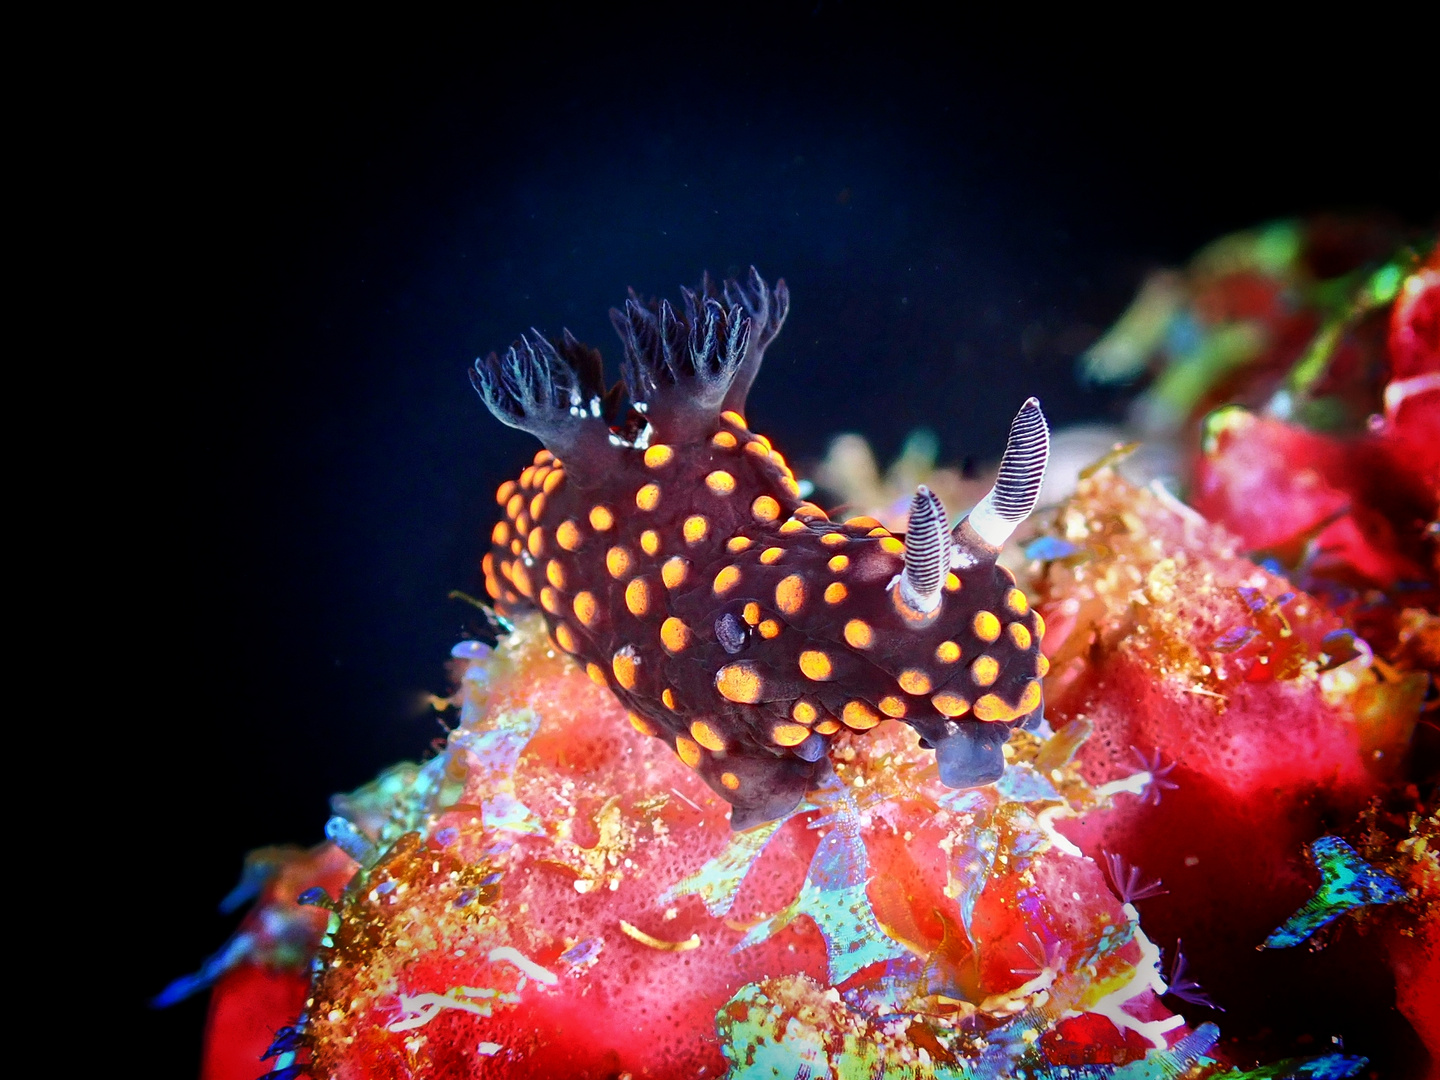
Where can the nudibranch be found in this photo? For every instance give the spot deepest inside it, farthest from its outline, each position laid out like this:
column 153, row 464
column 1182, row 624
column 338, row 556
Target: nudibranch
column 674, row 558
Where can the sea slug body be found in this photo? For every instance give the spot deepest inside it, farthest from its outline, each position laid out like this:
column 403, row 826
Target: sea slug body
column 673, row 557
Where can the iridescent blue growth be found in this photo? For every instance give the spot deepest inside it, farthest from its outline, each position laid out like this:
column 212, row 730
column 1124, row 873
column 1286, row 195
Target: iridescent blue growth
column 1179, row 1059
column 1021, row 783
column 1327, row 1067
column 972, row 857
column 234, row 952
column 1049, row 548
column 287, row 1039
column 344, row 835
column 834, row 897
column 1347, row 882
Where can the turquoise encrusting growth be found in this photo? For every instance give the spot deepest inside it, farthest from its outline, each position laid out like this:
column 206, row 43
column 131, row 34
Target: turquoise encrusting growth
column 833, row 896
column 1347, row 882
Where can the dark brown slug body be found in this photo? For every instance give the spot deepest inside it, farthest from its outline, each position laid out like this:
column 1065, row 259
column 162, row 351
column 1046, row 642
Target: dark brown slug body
column 672, row 556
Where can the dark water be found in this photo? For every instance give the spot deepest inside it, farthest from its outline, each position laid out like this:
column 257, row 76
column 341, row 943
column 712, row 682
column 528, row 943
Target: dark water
column 348, row 227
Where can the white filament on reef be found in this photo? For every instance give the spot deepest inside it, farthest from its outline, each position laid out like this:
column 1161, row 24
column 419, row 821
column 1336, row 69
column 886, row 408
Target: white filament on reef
column 428, row 1006
column 1146, row 977
column 524, row 963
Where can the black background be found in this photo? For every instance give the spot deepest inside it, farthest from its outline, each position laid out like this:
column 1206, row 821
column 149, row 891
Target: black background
column 320, row 229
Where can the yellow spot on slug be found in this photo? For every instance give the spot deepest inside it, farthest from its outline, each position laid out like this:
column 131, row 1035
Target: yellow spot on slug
column 597, row 674
column 625, row 668
column 536, row 542
column 1030, row 699
column 637, row 597
column 858, row 634
column 838, row 564
column 827, row 727
column 707, row 736
column 816, row 665
column 805, row 712
column 1042, row 665
column 914, row 682
column 947, row 652
column 765, row 509
column 674, row 635
column 724, row 440
column 1020, row 634
column 586, row 610
column 794, row 525
column 522, row 523
column 695, row 528
column 952, row 582
column 859, row 716
column 948, row 704
column 568, row 536
column 834, row 539
column 893, row 546
column 648, row 497
column 810, row 512
column 544, row 457
column 641, row 725
column 668, row 697
column 527, row 476
column 689, row 753
column 502, row 496
column 734, row 418
column 737, row 544
column 835, row 592
column 790, row 594
column 891, row 705
column 751, row 613
column 1017, row 602
column 550, row 600
column 1039, row 626
column 601, row 518
column 992, row 707
column 674, row 572
column 720, row 482
column 757, row 448
column 740, row 683
column 772, row 555
column 650, row 541
column 657, row 457
column 862, row 522
column 555, row 574
column 617, row 561
column 730, row 780
column 565, row 638
column 515, row 505
column 553, row 481
column 984, row 670
column 986, row 626
column 726, row 580
column 537, row 506
column 521, row 578
column 789, row 734
column 769, row 629
column 500, row 535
